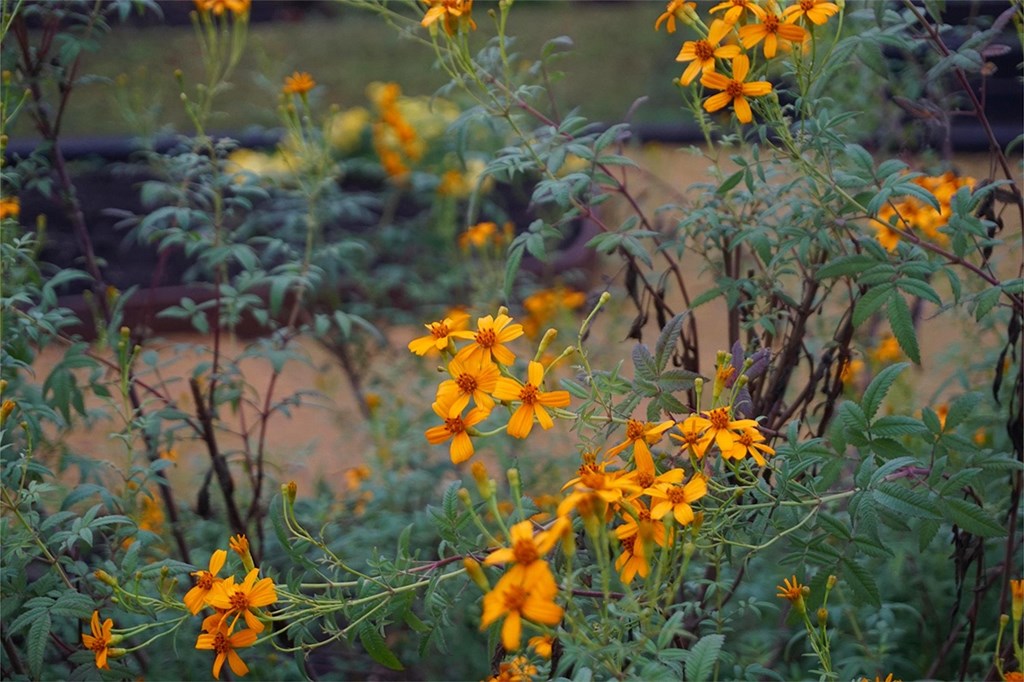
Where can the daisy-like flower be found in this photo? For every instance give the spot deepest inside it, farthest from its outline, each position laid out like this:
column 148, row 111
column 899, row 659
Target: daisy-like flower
column 738, row 9
column 815, row 11
column 100, row 639
column 528, row 594
column 720, row 428
column 533, row 401
column 526, row 547
column 452, row 13
column 677, row 499
column 455, row 429
column 692, row 436
column 595, row 484
column 749, row 442
column 195, row 598
column 675, row 9
column 771, row 29
column 646, row 480
column 890, row 678
column 441, row 333
column 735, row 89
column 489, row 340
column 473, row 380
column 243, row 598
column 702, row 53
column 794, row 592
column 640, row 434
column 887, row 235
column 636, row 537
column 224, row 643
column 299, row 83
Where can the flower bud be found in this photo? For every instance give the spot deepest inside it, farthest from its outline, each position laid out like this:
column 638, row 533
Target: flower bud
column 240, row 545
column 5, row 410
column 289, row 490
column 822, row 616
column 105, row 577
column 483, row 484
column 831, row 582
column 476, row 573
column 465, row 498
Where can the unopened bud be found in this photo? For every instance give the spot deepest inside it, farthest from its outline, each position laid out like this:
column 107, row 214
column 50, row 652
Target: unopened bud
column 5, row 410
column 476, row 573
column 831, row 582
column 105, row 577
column 605, row 297
column 115, row 652
column 464, row 496
column 822, row 616
column 1003, row 620
column 289, row 490
column 549, row 336
column 481, row 478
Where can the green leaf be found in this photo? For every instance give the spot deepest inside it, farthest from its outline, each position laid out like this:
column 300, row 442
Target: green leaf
column 860, row 581
column 880, row 385
column 916, row 287
column 38, row 635
column 845, row 265
column 644, row 363
column 904, row 501
column 985, row 301
column 960, row 410
column 971, row 518
column 515, row 257
column 700, row 664
column 853, row 417
column 888, row 468
column 902, row 324
column 378, row 649
column 898, row 425
column 868, row 304
column 667, row 341
column 730, row 182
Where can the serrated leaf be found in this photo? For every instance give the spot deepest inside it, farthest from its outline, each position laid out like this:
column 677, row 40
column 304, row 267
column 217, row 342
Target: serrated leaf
column 512, row 262
column 378, row 649
column 905, row 502
column 853, row 417
column 960, row 410
column 644, row 363
column 667, row 340
column 35, row 643
column 971, row 518
column 889, row 467
column 879, row 387
column 902, row 324
column 869, row 303
column 860, row 581
column 845, row 265
column 700, row 664
column 895, row 425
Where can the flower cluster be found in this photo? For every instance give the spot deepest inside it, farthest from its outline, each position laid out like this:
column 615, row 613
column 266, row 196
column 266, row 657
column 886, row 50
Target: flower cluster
column 453, row 15
column 717, row 54
column 100, row 640
column 231, row 601
column 914, row 214
column 547, row 305
column 481, row 372
column 486, row 235
column 237, row 8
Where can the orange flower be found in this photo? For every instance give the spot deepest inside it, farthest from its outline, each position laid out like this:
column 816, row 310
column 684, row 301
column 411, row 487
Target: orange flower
column 736, row 9
column 677, row 499
column 196, row 598
column 542, row 645
column 675, row 9
column 527, row 547
column 242, row 599
column 636, row 536
column 639, row 434
column 736, row 90
column 218, row 7
column 454, row 428
column 9, row 207
column 224, row 643
column 749, row 442
column 815, row 11
column 474, row 380
column 594, row 483
column 441, row 333
column 694, row 436
column 527, row 593
column 299, row 83
column 489, row 339
column 794, row 592
column 702, row 53
column 454, row 13
column 100, row 639
column 1017, row 599
column 771, row 30
column 532, row 401
column 720, row 428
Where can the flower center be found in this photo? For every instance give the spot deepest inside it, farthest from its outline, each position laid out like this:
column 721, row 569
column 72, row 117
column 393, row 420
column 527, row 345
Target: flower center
column 98, row 644
column 676, row 495
column 466, row 382
column 703, row 50
column 628, row 542
column 771, row 23
column 204, row 580
column 239, row 601
column 439, row 330
column 719, row 418
column 746, row 439
column 644, row 479
column 644, row 515
column 735, row 89
column 525, row 552
column 592, row 479
column 807, row 5
column 486, row 338
column 220, row 643
column 515, row 597
column 454, row 425
column 528, row 394
column 634, row 430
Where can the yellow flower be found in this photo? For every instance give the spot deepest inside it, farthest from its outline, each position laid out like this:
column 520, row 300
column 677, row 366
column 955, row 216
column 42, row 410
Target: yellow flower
column 794, row 592
column 224, row 643
column 489, row 339
column 885, row 231
column 675, row 9
column 528, row 593
column 299, row 83
column 736, row 90
column 196, row 598
column 721, row 428
column 544, row 305
column 702, row 53
column 815, row 11
column 171, row 455
column 519, row 669
column 635, row 537
column 887, row 351
column 345, row 129
column 527, row 547
column 850, row 370
column 542, row 645
column 736, row 9
column 479, row 235
column 454, row 428
column 646, row 480
column 455, row 13
column 100, row 639
column 10, row 207
column 218, row 7
column 241, row 599
column 532, row 401
column 890, row 678
column 677, row 499
column 771, row 30
column 1017, row 599
column 639, row 434
column 594, row 482
column 473, row 380
column 440, row 333
column 749, row 442
column 695, row 436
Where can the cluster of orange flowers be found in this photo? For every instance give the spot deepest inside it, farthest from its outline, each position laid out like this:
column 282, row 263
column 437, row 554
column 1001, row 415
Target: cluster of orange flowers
column 913, row 214
column 744, row 25
column 219, row 7
column 481, row 372
column 548, row 304
column 230, row 602
column 486, row 235
column 394, row 139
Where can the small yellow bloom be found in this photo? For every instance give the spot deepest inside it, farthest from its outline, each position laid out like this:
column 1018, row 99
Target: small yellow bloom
column 489, row 340
column 469, row 380
column 772, row 30
column 675, row 9
column 299, row 83
column 667, row 497
column 478, row 236
column 542, row 645
column 693, row 436
column 524, row 593
column 440, row 333
column 794, row 592
column 735, row 89
column 519, row 669
column 887, row 351
column 196, row 598
column 218, row 7
column 721, row 428
column 453, row 13
column 749, row 442
column 640, row 435
column 243, row 598
column 702, row 53
column 100, row 639
column 224, row 643
column 527, row 547
column 532, row 401
column 455, row 429
column 9, row 207
column 737, row 9
column 815, row 11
